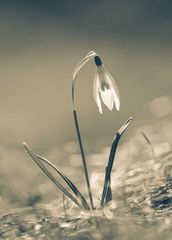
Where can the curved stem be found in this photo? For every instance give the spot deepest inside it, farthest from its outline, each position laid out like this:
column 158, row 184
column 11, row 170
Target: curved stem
column 83, row 158
column 89, row 56
column 73, row 95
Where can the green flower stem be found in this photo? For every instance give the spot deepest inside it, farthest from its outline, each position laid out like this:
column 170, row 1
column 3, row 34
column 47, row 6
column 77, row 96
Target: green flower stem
column 83, row 158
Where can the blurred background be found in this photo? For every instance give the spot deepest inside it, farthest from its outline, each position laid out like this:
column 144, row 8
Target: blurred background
column 42, row 41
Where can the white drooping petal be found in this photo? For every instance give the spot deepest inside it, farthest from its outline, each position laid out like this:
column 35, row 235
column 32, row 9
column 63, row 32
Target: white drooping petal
column 104, row 88
column 107, row 98
column 113, row 87
column 96, row 91
column 89, row 56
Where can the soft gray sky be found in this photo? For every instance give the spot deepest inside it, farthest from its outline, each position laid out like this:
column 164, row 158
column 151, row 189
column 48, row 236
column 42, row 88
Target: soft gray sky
column 42, row 41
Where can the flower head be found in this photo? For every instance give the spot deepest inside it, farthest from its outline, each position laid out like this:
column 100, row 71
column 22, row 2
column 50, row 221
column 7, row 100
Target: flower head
column 105, row 87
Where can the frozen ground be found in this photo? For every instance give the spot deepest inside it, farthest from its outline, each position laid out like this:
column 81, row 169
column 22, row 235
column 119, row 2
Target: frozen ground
column 32, row 208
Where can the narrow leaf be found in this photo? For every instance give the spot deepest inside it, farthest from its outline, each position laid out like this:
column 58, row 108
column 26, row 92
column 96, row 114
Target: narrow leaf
column 109, row 192
column 40, row 160
column 149, row 143
column 145, row 137
column 111, row 159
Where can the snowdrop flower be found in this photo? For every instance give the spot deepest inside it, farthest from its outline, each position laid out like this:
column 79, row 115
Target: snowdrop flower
column 105, row 87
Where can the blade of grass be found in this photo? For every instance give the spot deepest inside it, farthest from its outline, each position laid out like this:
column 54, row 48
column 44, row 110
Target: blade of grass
column 39, row 161
column 149, row 143
column 111, row 160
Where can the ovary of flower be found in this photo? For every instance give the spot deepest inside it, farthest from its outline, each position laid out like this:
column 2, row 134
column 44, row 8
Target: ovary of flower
column 105, row 87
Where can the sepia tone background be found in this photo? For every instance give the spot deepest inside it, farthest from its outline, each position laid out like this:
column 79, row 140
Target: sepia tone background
column 42, row 41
